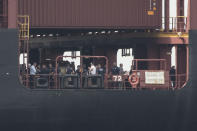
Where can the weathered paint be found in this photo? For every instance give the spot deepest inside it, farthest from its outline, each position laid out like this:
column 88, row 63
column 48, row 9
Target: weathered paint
column 12, row 13
column 193, row 16
column 91, row 13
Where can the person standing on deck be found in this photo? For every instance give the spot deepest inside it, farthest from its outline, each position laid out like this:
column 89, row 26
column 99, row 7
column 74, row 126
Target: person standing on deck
column 33, row 70
column 92, row 69
column 121, row 69
column 115, row 70
column 173, row 76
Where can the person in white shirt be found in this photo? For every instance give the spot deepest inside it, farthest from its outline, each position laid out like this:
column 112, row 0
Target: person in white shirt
column 33, row 70
column 92, row 69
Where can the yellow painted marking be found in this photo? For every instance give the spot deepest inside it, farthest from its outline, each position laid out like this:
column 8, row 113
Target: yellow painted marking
column 172, row 35
column 158, row 35
column 150, row 12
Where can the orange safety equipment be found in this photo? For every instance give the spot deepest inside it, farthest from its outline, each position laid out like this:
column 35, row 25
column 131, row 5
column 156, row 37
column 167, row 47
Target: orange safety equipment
column 134, row 80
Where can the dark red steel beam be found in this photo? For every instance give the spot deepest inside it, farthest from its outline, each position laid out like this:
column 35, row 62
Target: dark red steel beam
column 12, row 13
column 180, row 7
column 193, row 16
column 36, row 43
column 150, row 60
column 188, row 15
column 167, row 15
column 180, row 12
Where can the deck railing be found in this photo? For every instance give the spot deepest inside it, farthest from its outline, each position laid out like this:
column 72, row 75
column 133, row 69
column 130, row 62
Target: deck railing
column 48, row 81
column 176, row 24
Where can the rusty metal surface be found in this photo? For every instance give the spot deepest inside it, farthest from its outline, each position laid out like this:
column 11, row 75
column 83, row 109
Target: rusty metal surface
column 192, row 14
column 91, row 13
column 3, row 14
column 166, row 84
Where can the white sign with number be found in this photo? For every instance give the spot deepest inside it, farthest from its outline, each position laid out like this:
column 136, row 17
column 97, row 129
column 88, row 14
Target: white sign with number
column 117, row 78
column 154, row 77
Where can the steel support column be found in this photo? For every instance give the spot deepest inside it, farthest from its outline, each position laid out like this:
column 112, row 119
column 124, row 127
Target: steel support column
column 181, row 64
column 167, row 15
column 180, row 12
column 12, row 13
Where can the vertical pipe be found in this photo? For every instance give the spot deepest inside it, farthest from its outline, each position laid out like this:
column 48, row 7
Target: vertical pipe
column 188, row 16
column 176, row 73
column 40, row 53
column 187, row 64
column 81, row 77
column 167, row 14
column 136, row 64
column 106, row 73
column 81, row 66
column 180, row 13
column 187, row 67
column 56, row 70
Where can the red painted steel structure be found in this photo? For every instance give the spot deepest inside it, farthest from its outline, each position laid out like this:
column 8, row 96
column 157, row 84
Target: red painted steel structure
column 12, row 13
column 167, row 15
column 3, row 14
column 161, row 61
column 180, row 12
column 91, row 13
column 193, row 16
column 163, row 68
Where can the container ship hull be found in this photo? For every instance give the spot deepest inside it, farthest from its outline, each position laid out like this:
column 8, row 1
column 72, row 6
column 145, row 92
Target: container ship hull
column 25, row 109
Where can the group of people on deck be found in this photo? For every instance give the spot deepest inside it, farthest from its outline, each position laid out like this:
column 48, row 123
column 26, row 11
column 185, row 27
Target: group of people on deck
column 115, row 70
column 69, row 68
column 66, row 68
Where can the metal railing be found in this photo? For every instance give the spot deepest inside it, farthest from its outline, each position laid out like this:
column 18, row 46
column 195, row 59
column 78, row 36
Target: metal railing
column 137, row 62
column 176, row 24
column 121, row 82
column 56, row 79
column 38, row 81
column 23, row 44
column 177, row 81
column 23, row 25
column 60, row 58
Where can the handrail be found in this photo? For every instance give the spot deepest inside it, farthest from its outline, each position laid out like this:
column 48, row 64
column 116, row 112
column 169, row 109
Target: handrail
column 148, row 60
column 61, row 57
column 23, row 28
column 176, row 24
column 23, row 23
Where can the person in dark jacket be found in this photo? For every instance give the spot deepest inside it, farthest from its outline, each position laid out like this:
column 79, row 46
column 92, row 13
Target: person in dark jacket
column 51, row 69
column 115, row 69
column 44, row 70
column 100, row 70
column 121, row 72
column 69, row 70
column 173, row 76
column 78, row 71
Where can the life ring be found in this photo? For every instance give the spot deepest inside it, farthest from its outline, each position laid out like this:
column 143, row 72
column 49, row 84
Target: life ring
column 134, row 80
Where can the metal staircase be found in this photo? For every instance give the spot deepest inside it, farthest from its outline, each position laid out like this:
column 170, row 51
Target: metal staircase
column 23, row 48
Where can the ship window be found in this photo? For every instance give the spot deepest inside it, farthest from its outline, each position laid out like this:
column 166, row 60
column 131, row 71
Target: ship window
column 23, row 58
column 173, row 56
column 125, row 57
column 73, row 58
